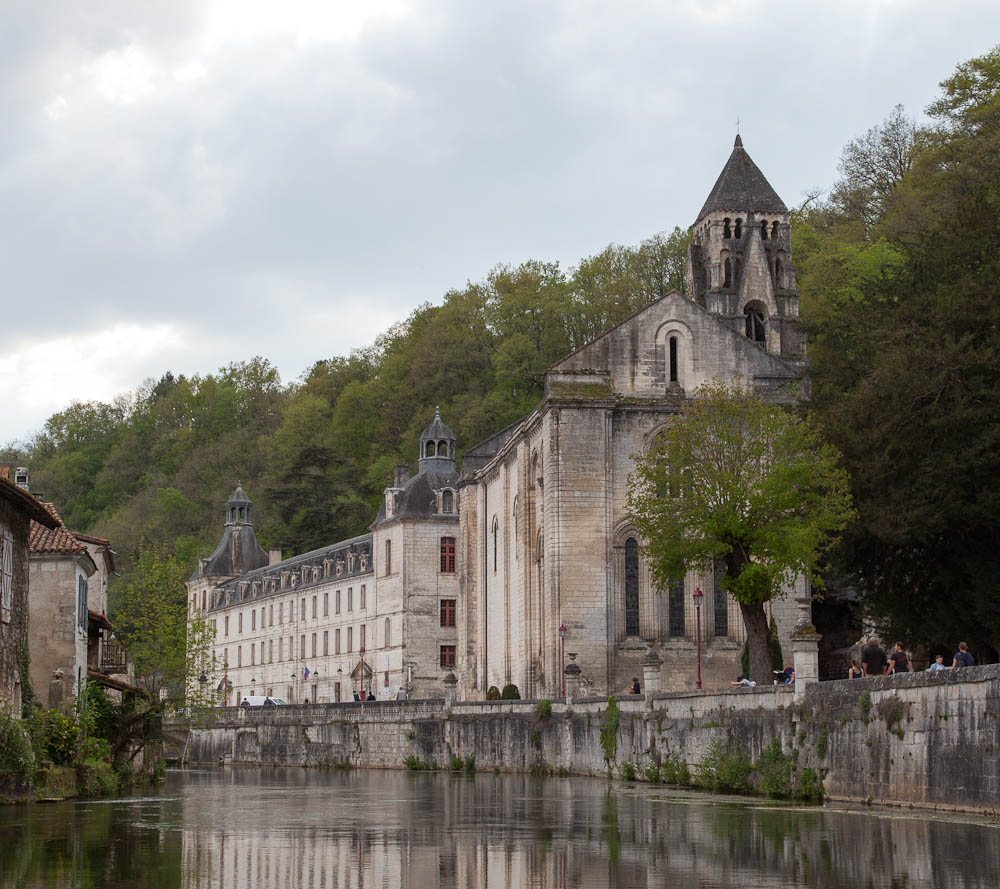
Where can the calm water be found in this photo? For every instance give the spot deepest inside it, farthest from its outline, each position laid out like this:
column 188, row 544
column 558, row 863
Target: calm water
column 297, row 828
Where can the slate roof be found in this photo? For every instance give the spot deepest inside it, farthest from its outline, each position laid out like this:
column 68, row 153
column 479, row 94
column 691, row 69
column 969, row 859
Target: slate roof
column 417, row 500
column 56, row 539
column 742, row 186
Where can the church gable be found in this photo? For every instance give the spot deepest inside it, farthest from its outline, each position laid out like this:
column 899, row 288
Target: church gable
column 671, row 346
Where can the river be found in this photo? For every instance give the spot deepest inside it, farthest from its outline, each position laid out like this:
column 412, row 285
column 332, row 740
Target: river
column 292, row 828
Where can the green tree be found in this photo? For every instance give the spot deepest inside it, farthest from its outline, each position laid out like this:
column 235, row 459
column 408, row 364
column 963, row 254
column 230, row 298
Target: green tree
column 750, row 483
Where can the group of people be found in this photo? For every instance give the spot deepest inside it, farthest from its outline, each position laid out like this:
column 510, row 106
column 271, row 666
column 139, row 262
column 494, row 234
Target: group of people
column 874, row 661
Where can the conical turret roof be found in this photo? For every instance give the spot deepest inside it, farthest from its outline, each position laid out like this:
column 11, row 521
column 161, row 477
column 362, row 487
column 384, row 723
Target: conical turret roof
column 742, row 186
column 437, row 429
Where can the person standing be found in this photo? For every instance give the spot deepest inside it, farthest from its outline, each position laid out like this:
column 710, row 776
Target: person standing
column 900, row 659
column 873, row 659
column 962, row 657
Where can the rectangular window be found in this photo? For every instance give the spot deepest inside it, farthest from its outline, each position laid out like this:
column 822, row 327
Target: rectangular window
column 226, row 627
column 302, row 646
column 239, row 655
column 350, row 638
column 270, row 651
column 81, row 594
column 253, row 619
column 263, row 623
column 281, row 613
column 225, row 657
column 336, row 692
column 447, row 612
column 336, row 641
column 253, row 653
column 313, row 645
column 363, row 604
column 326, row 642
column 447, row 655
column 336, row 602
column 270, row 615
column 314, row 607
column 281, row 648
column 240, row 629
column 350, row 599
column 326, row 604
column 302, row 610
column 6, row 575
column 388, row 557
column 447, row 555
column 363, row 636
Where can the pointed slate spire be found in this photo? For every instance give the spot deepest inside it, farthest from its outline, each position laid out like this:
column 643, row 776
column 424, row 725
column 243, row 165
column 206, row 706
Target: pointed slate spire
column 741, row 186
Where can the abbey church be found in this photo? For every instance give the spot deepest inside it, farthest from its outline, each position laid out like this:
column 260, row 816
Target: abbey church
column 524, row 558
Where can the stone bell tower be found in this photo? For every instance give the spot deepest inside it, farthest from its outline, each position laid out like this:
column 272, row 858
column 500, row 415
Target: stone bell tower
column 740, row 259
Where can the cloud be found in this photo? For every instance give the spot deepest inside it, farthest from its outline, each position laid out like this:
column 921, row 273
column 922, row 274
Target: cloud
column 294, row 177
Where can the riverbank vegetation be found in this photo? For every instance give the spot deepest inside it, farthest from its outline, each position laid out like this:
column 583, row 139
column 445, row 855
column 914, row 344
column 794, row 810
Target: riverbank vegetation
column 54, row 754
column 900, row 293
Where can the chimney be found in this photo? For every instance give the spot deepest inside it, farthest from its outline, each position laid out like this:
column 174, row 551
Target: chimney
column 21, row 477
column 273, row 556
column 400, row 474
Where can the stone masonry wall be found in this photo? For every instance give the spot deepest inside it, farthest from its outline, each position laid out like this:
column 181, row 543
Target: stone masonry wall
column 921, row 739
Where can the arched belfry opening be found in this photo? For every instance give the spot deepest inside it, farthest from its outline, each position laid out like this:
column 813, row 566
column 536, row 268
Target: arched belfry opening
column 754, row 315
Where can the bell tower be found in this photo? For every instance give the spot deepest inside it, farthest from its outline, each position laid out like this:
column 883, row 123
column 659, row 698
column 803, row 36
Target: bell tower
column 740, row 259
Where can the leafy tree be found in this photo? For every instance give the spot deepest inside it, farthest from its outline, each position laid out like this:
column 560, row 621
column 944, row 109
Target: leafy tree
column 736, row 479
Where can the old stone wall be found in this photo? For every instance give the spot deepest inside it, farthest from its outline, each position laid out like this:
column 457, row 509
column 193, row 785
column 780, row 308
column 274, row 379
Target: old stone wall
column 920, row 739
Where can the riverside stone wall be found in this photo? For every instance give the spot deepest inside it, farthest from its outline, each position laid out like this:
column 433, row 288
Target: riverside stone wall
column 920, row 739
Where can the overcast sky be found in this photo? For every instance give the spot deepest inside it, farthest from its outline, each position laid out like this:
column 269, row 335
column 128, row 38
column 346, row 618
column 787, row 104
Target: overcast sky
column 185, row 184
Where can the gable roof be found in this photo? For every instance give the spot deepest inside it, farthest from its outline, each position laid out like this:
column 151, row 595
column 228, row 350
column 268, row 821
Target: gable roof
column 25, row 503
column 54, row 538
column 742, row 186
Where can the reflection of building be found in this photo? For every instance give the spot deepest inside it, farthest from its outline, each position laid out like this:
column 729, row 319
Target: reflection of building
column 18, row 511
column 368, row 615
column 545, row 538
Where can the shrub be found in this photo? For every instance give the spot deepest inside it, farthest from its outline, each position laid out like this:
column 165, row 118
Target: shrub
column 653, row 773
column 628, row 770
column 609, row 733
column 469, row 765
column 96, row 778
column 722, row 769
column 892, row 711
column 456, row 763
column 416, row 764
column 823, row 744
column 55, row 736
column 493, row 693
column 510, row 693
column 17, row 756
column 543, row 709
column 865, row 704
column 674, row 770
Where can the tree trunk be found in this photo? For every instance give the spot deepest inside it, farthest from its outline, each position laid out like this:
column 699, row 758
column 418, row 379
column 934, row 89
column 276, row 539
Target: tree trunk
column 758, row 643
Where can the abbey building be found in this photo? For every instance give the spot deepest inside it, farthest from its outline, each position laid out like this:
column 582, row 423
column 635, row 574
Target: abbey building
column 526, row 557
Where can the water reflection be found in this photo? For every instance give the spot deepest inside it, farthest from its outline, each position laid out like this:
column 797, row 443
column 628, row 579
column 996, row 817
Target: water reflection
column 296, row 828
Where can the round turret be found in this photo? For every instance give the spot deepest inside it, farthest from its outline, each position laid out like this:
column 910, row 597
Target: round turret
column 437, row 446
column 238, row 507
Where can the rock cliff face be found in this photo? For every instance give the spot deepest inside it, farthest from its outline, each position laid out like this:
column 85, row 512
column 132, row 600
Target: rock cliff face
column 921, row 739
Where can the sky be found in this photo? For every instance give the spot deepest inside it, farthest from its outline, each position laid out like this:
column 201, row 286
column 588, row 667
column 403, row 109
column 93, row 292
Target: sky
column 187, row 183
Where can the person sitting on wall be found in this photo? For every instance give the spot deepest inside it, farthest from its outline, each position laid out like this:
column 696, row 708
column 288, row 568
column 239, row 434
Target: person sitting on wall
column 244, row 703
column 962, row 657
column 746, row 683
column 786, row 676
column 938, row 664
column 634, row 689
column 855, row 672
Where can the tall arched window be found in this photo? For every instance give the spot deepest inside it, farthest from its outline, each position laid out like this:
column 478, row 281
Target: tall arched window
column 429, row 449
column 763, row 229
column 726, row 232
column 496, row 538
column 673, row 359
column 777, row 273
column 755, row 323
column 774, row 230
column 631, row 587
column 727, row 267
column 739, row 229
column 675, row 608
column 447, row 502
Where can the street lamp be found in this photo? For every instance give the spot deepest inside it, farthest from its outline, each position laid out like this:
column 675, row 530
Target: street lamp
column 562, row 656
column 698, row 595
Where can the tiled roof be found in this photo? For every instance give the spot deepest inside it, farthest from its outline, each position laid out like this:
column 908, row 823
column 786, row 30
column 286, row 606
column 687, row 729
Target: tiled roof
column 23, row 501
column 53, row 540
column 742, row 186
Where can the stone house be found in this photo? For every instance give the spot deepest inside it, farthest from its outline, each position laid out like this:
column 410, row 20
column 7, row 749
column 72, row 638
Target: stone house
column 375, row 613
column 18, row 511
column 545, row 540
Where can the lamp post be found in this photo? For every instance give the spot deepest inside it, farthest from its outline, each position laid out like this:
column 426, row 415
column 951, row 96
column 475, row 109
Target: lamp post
column 562, row 656
column 361, row 651
column 698, row 595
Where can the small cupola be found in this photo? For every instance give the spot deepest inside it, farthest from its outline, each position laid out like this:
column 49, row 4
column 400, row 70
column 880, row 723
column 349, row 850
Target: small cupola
column 437, row 446
column 238, row 508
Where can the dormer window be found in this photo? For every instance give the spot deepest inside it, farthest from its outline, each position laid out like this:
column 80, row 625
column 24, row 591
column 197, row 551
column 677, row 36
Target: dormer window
column 447, row 502
column 340, row 567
